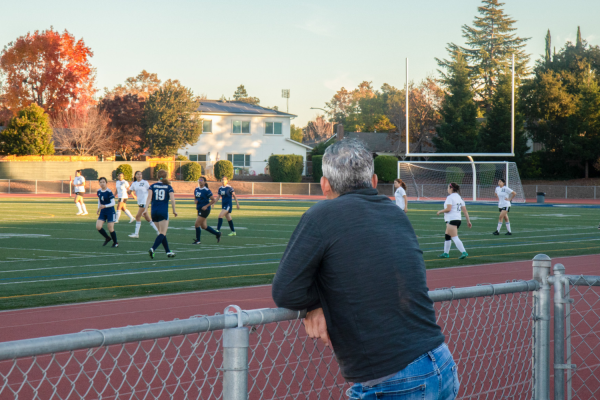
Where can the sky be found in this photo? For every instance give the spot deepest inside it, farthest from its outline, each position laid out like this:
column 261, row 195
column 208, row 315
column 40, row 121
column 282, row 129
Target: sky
column 311, row 48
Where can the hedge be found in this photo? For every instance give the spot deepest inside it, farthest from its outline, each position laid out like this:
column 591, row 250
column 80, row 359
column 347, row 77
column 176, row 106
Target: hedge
column 286, row 168
column 454, row 174
column 126, row 170
column 223, row 168
column 158, row 167
column 386, row 168
column 317, row 168
column 181, row 157
column 191, row 171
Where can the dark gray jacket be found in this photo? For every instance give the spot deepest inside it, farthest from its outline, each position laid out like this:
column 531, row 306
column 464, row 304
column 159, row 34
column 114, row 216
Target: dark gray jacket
column 357, row 256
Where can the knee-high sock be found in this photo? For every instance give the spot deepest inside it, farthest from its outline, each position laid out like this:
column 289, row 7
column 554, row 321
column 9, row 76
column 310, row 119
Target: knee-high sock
column 103, row 233
column 198, row 233
column 231, row 226
column 79, row 207
column 447, row 245
column 211, row 230
column 158, row 241
column 138, row 225
column 129, row 214
column 459, row 244
column 508, row 226
column 165, row 244
column 219, row 224
column 113, row 235
column 153, row 226
column 499, row 226
column 83, row 207
column 118, row 215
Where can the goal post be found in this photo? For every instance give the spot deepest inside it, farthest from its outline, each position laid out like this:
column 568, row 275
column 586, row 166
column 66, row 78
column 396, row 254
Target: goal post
column 428, row 180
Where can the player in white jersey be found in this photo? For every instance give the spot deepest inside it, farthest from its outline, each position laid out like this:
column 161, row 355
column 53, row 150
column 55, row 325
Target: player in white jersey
column 139, row 190
column 505, row 196
column 400, row 195
column 122, row 188
column 79, row 189
column 452, row 215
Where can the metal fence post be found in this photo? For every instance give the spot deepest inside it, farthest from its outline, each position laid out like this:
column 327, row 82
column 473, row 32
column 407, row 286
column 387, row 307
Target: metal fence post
column 541, row 322
column 559, row 333
column 566, row 192
column 9, row 186
column 236, row 342
column 280, row 188
column 36, row 186
column 309, row 188
column 252, row 188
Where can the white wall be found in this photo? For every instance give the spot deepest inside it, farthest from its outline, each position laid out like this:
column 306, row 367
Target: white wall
column 257, row 144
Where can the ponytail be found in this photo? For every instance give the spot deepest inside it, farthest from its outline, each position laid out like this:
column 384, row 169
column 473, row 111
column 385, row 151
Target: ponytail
column 401, row 183
column 205, row 181
column 455, row 187
column 163, row 177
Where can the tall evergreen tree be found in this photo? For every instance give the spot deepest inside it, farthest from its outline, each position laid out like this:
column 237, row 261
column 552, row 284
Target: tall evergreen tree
column 490, row 43
column 548, row 47
column 579, row 42
column 458, row 133
column 242, row 95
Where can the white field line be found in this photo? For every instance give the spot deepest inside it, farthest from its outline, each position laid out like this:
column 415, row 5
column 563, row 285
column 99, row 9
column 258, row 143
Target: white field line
column 513, row 238
column 528, row 244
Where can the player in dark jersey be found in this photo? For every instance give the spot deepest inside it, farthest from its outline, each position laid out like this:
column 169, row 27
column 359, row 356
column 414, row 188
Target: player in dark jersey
column 226, row 193
column 204, row 199
column 106, row 213
column 159, row 195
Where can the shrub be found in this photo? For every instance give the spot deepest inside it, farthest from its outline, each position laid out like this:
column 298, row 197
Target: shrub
column 191, row 171
column 319, row 149
column 181, row 157
column 223, row 168
column 126, row 170
column 317, row 168
column 386, row 168
column 158, row 167
column 286, row 168
column 454, row 174
column 89, row 174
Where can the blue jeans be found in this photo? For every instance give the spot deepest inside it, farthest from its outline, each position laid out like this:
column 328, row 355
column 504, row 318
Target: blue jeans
column 432, row 376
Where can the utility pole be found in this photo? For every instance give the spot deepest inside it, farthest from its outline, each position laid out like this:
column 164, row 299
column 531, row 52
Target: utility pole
column 285, row 93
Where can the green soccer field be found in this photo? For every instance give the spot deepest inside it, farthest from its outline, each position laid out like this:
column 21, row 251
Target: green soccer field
column 50, row 256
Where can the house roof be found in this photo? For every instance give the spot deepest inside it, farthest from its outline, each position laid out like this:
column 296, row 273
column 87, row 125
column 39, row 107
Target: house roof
column 380, row 142
column 237, row 107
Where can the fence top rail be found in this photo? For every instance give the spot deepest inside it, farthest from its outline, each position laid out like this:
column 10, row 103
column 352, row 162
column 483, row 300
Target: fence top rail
column 456, row 162
column 203, row 323
column 578, row 280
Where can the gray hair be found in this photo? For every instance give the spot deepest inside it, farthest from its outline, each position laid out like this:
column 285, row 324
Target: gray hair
column 348, row 165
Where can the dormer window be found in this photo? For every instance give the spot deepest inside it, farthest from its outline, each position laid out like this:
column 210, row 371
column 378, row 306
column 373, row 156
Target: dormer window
column 273, row 128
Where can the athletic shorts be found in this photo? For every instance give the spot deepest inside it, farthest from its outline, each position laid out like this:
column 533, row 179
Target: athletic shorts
column 455, row 222
column 228, row 207
column 203, row 213
column 160, row 216
column 141, row 205
column 79, row 194
column 108, row 215
column 123, row 200
column 507, row 209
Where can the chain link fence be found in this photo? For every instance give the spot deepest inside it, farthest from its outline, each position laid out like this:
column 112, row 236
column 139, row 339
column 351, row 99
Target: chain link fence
column 497, row 333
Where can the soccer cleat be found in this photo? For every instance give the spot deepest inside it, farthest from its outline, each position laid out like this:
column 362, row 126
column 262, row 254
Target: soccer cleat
column 170, row 254
column 232, row 234
column 115, row 245
column 131, row 220
column 444, row 255
column 196, row 241
column 219, row 234
column 79, row 213
column 117, row 221
column 508, row 233
column 133, row 235
column 85, row 213
column 106, row 241
column 496, row 233
column 151, row 252
column 463, row 255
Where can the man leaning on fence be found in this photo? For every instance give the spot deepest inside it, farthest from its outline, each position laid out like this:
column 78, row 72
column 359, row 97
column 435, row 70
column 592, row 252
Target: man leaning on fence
column 355, row 264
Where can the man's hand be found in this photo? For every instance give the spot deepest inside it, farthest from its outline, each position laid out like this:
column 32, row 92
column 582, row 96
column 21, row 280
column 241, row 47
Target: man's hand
column 316, row 326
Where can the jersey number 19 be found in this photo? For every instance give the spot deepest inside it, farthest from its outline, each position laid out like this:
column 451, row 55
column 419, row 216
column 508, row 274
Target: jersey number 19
column 159, row 194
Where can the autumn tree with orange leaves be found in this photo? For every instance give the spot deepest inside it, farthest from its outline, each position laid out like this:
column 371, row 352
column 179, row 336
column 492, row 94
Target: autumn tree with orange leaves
column 50, row 69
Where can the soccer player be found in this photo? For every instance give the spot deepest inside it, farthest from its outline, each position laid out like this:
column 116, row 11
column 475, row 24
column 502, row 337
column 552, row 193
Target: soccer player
column 106, row 213
column 505, row 196
column 204, row 200
column 454, row 205
column 400, row 194
column 226, row 193
column 122, row 187
column 160, row 193
column 139, row 189
column 79, row 186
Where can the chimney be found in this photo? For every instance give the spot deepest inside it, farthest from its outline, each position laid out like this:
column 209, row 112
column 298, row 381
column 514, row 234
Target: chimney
column 340, row 132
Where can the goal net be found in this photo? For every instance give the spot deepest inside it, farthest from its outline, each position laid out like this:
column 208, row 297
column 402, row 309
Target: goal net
column 428, row 180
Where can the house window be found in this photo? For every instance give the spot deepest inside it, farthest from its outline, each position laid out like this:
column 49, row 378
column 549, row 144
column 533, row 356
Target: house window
column 273, row 128
column 239, row 160
column 207, row 126
column 197, row 157
column 241, row 126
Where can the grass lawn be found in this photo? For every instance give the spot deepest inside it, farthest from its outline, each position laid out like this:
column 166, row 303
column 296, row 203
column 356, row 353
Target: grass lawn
column 50, row 256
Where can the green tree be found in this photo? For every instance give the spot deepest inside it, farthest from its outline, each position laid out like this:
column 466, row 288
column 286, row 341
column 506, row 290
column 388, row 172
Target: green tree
column 126, row 170
column 490, row 43
column 241, row 95
column 458, row 133
column 169, row 119
column 29, row 133
column 296, row 133
column 548, row 55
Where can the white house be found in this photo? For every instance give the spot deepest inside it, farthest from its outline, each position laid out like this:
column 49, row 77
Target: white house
column 245, row 134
